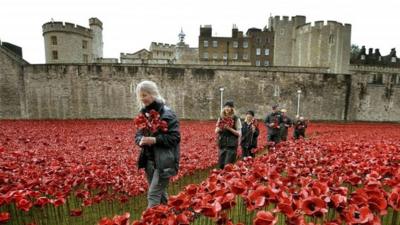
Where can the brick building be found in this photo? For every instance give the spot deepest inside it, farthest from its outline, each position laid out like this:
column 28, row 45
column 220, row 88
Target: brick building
column 254, row 48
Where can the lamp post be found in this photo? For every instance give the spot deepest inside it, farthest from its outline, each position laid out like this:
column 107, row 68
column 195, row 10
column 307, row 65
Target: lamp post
column 298, row 102
column 221, row 89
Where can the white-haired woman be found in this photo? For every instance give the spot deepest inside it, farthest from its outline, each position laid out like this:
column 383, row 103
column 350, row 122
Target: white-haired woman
column 159, row 151
column 228, row 130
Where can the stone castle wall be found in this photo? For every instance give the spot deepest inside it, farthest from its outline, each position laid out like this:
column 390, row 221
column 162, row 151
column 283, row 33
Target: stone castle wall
column 107, row 91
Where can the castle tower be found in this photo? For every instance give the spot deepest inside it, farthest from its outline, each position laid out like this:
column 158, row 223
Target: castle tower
column 97, row 42
column 183, row 53
column 70, row 43
column 284, row 38
column 323, row 45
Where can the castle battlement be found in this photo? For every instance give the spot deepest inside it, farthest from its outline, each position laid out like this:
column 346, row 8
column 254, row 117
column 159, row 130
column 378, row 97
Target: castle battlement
column 66, row 27
column 160, row 45
column 318, row 25
column 285, row 19
column 95, row 22
column 123, row 54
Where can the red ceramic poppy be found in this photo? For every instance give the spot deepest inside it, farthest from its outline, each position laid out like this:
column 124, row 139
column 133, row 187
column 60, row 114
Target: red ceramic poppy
column 228, row 201
column 238, row 186
column 285, row 209
column 40, row 202
column 182, row 219
column 314, row 206
column 75, row 212
column 356, row 215
column 394, row 198
column 4, row 217
column 264, row 218
column 225, row 122
column 24, row 204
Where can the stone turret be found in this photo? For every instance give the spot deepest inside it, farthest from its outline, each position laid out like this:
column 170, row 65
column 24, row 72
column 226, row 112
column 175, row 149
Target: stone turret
column 96, row 27
column 71, row 43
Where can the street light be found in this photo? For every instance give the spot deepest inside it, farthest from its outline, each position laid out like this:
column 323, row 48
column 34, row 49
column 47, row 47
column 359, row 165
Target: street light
column 221, row 89
column 298, row 102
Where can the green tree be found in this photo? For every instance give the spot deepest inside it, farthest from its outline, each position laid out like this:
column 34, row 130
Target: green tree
column 355, row 50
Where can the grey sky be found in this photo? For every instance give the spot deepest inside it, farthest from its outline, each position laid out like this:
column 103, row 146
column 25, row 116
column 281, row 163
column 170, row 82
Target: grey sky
column 130, row 25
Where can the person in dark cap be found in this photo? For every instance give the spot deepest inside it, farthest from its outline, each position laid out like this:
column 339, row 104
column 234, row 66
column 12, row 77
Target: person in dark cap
column 273, row 122
column 300, row 126
column 228, row 130
column 250, row 134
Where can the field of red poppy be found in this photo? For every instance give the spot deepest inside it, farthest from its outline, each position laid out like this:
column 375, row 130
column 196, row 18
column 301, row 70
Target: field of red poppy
column 345, row 174
column 76, row 172
column 51, row 170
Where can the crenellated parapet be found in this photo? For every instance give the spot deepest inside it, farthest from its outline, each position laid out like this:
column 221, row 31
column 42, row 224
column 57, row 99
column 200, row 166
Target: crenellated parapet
column 158, row 45
column 319, row 25
column 278, row 22
column 67, row 28
column 95, row 22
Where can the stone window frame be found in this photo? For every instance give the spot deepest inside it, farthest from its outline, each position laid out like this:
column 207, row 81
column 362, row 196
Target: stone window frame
column 215, row 44
column 54, row 55
column 376, row 79
column 54, row 40
column 235, row 44
column 84, row 44
column 245, row 56
column 331, row 39
column 235, row 56
column 85, row 58
column 205, row 55
column 395, row 79
column 205, row 44
column 245, row 44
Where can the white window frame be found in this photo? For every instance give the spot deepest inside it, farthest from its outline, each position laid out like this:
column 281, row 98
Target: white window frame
column 245, row 44
column 235, row 44
column 258, row 51
column 205, row 55
column 205, row 44
column 215, row 44
column 258, row 63
column 266, row 51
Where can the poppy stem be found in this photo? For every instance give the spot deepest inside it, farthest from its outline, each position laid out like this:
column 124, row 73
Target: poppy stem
column 395, row 217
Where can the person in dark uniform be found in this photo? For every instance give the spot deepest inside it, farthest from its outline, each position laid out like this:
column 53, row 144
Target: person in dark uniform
column 250, row 134
column 273, row 122
column 286, row 123
column 228, row 130
column 300, row 128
